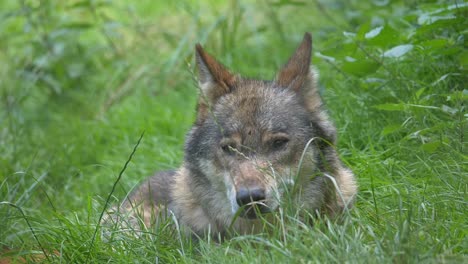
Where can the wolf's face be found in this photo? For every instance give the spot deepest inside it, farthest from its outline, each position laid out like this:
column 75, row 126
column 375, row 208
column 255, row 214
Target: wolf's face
column 247, row 145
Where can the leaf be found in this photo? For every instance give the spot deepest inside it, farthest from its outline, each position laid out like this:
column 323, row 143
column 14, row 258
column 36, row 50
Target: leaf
column 435, row 44
column 382, row 36
column 288, row 2
column 325, row 57
column 428, row 16
column 381, row 2
column 78, row 25
column 458, row 95
column 373, row 33
column 431, row 147
column 361, row 67
column 52, row 83
column 451, row 51
column 388, row 37
column 463, row 59
column 445, row 76
column 89, row 4
column 398, row 51
column 449, row 109
column 339, row 50
column 390, row 129
column 75, row 70
column 419, row 92
column 391, row 107
column 427, row 19
column 81, row 4
column 375, row 80
column 349, row 34
column 442, row 24
column 363, row 29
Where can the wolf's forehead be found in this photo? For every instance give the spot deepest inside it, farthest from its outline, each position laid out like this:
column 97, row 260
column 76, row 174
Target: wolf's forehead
column 264, row 108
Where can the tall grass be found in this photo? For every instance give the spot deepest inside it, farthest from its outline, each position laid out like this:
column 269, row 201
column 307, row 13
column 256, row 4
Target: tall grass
column 81, row 80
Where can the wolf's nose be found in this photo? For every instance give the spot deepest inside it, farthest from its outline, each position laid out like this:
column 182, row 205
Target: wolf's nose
column 245, row 196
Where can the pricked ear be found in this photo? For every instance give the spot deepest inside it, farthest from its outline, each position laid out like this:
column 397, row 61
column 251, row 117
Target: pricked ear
column 214, row 79
column 299, row 76
column 294, row 73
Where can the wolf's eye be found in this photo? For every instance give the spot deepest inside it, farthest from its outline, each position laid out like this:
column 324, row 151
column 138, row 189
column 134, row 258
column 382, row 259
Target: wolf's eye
column 228, row 147
column 279, row 143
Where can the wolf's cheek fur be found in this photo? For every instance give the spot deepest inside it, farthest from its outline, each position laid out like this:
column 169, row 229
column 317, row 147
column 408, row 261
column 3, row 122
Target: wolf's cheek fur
column 220, row 181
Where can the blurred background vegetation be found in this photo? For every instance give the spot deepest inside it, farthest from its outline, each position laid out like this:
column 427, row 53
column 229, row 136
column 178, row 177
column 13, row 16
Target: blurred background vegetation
column 81, row 80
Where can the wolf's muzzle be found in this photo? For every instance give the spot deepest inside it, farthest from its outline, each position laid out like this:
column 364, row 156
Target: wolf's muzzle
column 252, row 202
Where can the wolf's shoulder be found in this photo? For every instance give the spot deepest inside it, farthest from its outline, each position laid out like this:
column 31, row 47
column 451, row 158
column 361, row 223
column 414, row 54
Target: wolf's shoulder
column 156, row 188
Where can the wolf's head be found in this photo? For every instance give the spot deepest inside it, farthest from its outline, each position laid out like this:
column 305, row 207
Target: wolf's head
column 248, row 141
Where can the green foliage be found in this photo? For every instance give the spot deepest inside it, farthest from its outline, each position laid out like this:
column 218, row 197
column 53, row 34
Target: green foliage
column 81, row 80
column 414, row 71
column 54, row 45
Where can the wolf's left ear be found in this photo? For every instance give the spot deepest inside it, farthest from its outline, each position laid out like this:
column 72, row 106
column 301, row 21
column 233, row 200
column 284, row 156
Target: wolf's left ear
column 299, row 76
column 294, row 73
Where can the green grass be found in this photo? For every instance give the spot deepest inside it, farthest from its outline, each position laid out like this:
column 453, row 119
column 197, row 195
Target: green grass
column 80, row 81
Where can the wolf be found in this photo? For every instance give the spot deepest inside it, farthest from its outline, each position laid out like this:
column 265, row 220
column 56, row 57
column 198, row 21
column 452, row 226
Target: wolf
column 252, row 143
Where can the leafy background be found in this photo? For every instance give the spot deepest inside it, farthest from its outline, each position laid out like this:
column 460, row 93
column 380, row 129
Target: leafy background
column 81, row 80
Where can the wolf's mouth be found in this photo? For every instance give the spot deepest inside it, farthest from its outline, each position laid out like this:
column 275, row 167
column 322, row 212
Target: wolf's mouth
column 254, row 210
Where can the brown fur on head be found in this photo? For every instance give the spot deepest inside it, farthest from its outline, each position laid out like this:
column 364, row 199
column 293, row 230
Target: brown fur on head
column 216, row 80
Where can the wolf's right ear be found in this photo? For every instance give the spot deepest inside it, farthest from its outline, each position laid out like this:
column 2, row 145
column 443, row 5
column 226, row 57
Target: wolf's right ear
column 213, row 77
column 214, row 80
